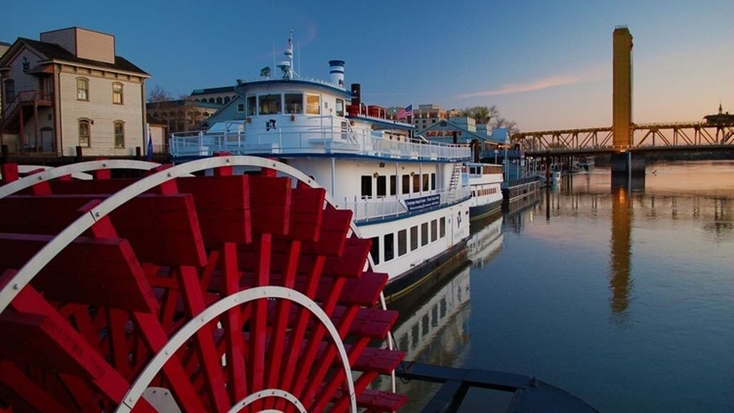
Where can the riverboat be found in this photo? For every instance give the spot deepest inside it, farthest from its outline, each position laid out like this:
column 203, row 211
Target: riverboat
column 485, row 181
column 411, row 197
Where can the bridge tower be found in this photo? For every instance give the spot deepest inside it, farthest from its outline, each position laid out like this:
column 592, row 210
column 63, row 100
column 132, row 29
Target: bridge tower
column 622, row 86
column 623, row 163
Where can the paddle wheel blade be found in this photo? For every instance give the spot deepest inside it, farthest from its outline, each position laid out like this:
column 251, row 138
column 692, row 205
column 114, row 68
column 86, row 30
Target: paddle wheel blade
column 176, row 292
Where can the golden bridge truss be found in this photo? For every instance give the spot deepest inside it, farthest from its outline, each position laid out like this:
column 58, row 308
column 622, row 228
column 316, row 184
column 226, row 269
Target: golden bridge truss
column 651, row 136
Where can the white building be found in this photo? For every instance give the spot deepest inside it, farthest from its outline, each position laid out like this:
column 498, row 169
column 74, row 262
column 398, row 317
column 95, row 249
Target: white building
column 69, row 92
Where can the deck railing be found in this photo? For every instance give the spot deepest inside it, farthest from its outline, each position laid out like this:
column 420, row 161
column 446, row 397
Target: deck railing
column 375, row 209
column 315, row 140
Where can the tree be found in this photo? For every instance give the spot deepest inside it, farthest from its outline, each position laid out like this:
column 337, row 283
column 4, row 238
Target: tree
column 158, row 94
column 480, row 114
column 501, row 122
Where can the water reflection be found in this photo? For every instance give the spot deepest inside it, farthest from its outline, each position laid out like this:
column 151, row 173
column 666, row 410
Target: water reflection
column 434, row 324
column 621, row 251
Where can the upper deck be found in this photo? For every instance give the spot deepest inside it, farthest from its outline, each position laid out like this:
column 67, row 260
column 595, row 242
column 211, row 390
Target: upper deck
column 315, row 135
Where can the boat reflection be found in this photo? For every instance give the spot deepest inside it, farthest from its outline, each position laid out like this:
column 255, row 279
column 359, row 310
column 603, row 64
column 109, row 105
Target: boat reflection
column 434, row 323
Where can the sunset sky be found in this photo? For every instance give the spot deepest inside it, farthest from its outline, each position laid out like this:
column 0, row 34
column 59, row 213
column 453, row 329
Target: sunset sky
column 545, row 64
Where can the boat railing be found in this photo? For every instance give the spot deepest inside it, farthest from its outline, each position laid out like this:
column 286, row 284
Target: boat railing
column 312, row 140
column 370, row 209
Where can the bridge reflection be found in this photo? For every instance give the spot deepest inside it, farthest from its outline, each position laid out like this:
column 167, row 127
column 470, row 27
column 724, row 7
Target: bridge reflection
column 629, row 211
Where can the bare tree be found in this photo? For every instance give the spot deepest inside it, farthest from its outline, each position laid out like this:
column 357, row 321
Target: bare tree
column 501, row 122
column 158, row 94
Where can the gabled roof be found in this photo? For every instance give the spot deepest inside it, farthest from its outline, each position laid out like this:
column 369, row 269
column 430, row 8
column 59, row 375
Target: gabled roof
column 54, row 52
column 466, row 135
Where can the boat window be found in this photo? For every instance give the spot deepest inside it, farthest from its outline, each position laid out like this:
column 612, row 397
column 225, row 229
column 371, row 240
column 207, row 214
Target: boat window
column 406, row 184
column 269, row 104
column 251, row 105
column 414, row 237
column 424, row 233
column 375, row 250
column 313, row 104
column 393, row 184
column 442, row 227
column 381, row 185
column 389, row 246
column 433, row 181
column 425, row 182
column 366, row 186
column 293, row 103
column 340, row 107
column 402, row 242
column 434, row 230
column 416, row 183
column 240, row 107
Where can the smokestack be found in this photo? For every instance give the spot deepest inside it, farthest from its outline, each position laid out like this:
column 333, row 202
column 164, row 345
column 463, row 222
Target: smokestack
column 336, row 72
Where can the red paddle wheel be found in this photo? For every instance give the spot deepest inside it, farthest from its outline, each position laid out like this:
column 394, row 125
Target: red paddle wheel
column 178, row 292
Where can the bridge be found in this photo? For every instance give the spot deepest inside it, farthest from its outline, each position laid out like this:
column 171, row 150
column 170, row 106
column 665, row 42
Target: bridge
column 626, row 141
column 649, row 137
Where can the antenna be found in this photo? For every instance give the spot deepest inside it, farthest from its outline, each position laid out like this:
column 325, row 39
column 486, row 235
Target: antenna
column 287, row 66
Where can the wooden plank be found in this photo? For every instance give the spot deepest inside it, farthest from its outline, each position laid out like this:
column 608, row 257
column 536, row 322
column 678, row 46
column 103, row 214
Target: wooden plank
column 92, row 271
column 222, row 205
column 271, row 203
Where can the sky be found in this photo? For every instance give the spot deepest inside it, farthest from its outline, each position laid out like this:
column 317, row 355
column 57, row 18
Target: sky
column 546, row 65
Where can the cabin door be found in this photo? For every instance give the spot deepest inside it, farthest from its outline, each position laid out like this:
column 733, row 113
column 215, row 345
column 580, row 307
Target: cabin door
column 47, row 140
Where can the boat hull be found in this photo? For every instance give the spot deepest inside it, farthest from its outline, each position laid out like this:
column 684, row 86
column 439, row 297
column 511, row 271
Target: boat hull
column 482, row 211
column 429, row 273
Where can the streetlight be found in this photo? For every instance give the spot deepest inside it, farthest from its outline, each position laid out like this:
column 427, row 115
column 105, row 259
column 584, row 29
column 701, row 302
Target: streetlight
column 495, row 155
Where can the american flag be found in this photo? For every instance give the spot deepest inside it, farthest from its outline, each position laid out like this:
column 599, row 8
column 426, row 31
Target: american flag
column 405, row 112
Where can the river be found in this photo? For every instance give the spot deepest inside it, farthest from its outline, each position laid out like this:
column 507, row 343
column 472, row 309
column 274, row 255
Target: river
column 624, row 297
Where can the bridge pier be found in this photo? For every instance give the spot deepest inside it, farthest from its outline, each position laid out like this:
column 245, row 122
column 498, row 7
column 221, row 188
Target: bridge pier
column 628, row 170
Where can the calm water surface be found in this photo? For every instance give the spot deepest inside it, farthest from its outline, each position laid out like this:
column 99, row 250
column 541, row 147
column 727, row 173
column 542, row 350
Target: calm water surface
column 622, row 297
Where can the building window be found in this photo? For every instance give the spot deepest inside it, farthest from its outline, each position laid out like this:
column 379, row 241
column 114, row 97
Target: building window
column 119, row 134
column 406, row 184
column 85, row 140
column 375, row 250
column 9, row 91
column 82, row 88
column 402, row 242
column 251, row 105
column 381, row 185
column 117, row 93
column 269, row 104
column 294, row 103
column 389, row 247
column 366, row 186
column 313, row 104
column 240, row 107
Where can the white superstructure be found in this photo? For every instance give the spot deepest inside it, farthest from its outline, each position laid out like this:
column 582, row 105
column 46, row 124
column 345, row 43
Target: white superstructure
column 411, row 197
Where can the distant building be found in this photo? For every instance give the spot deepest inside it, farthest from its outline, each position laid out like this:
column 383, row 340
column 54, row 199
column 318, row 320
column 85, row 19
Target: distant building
column 719, row 118
column 460, row 130
column 216, row 95
column 182, row 115
column 426, row 115
column 70, row 92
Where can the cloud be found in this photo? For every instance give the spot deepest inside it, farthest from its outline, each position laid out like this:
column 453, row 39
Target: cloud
column 545, row 83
